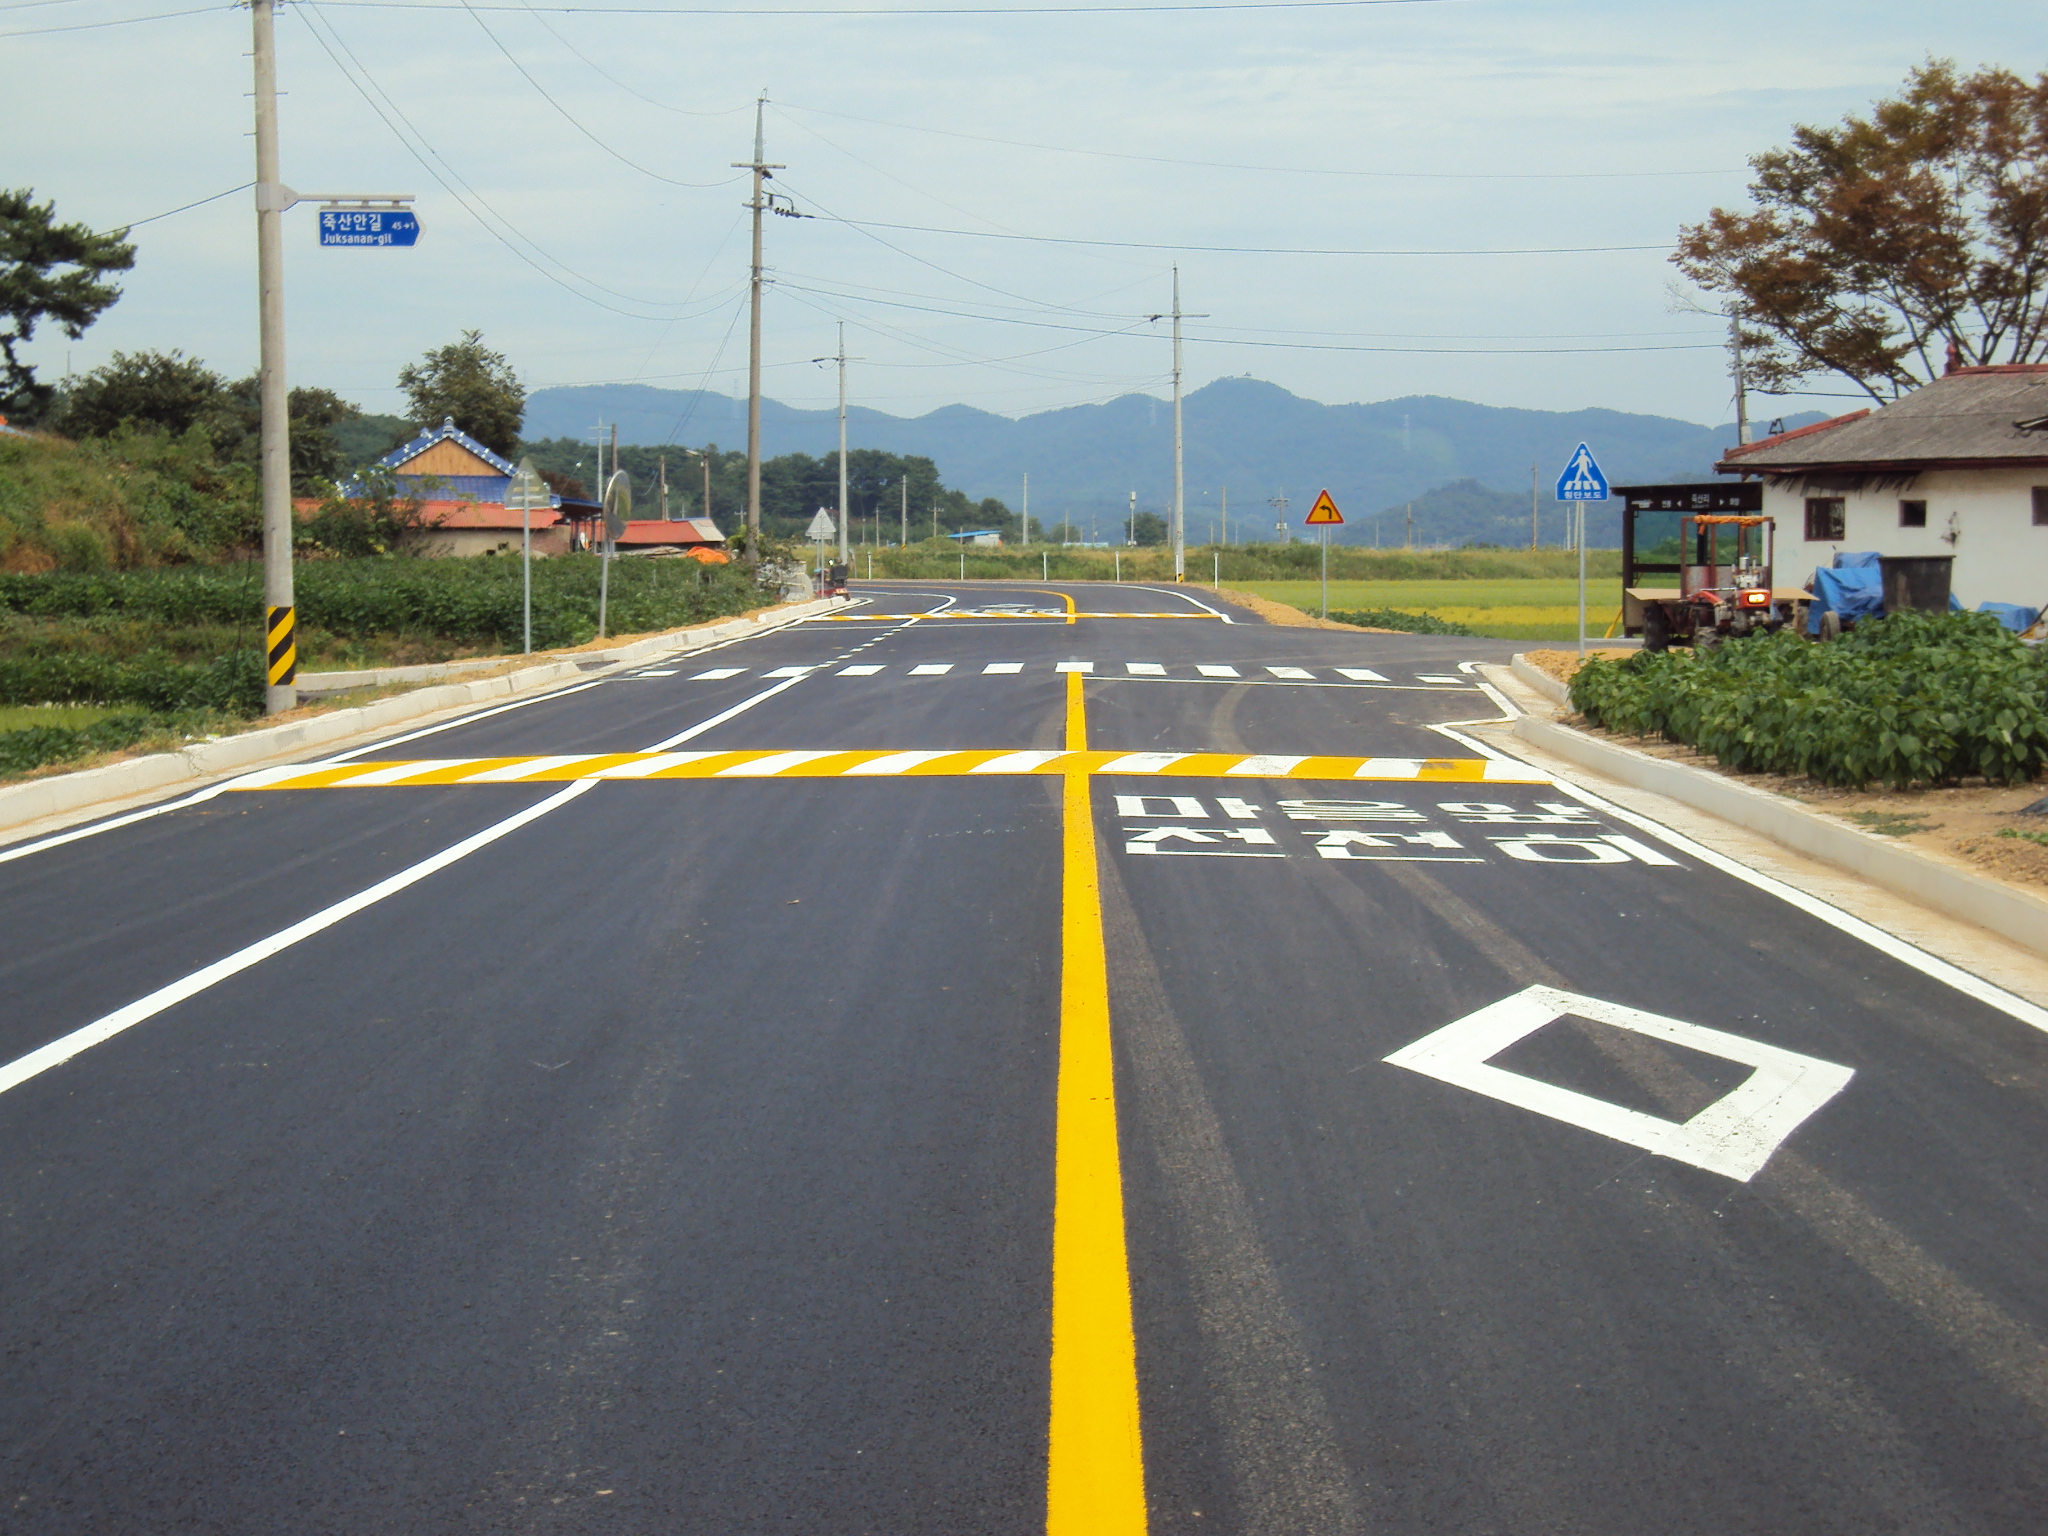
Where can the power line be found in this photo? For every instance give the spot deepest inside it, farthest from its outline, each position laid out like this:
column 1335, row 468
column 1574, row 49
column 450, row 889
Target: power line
column 186, row 208
column 614, row 79
column 904, row 10
column 1228, row 165
column 125, row 21
column 1247, row 250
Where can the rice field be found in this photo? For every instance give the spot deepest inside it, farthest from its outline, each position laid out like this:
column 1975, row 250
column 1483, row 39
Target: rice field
column 1537, row 608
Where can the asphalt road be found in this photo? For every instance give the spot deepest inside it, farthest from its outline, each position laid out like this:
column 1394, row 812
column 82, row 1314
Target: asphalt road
column 815, row 1103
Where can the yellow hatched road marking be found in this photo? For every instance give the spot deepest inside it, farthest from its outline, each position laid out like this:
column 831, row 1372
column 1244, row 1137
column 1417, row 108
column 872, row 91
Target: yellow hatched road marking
column 410, row 773
column 1095, row 1462
column 1068, row 617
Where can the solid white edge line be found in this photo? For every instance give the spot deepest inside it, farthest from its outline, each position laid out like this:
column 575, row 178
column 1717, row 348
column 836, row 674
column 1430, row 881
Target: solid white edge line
column 1176, row 592
column 62, row 1049
column 719, row 719
column 1911, row 955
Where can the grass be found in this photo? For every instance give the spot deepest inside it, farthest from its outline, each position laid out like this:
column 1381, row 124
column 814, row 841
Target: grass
column 70, row 717
column 1894, row 823
column 2025, row 837
column 1537, row 608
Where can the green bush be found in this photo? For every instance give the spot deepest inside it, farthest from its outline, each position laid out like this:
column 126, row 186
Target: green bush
column 230, row 684
column 1393, row 618
column 1910, row 699
column 38, row 745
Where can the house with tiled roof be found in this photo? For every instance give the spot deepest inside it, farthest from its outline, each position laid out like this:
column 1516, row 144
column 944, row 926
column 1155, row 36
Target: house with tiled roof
column 460, row 485
column 1958, row 467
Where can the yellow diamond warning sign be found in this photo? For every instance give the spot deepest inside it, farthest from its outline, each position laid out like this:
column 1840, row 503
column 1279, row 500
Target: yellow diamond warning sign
column 1324, row 512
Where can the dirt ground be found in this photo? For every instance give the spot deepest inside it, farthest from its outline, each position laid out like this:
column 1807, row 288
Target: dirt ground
column 1983, row 825
column 1282, row 613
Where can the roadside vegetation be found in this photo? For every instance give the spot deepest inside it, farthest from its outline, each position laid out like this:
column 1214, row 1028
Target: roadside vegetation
column 1909, row 700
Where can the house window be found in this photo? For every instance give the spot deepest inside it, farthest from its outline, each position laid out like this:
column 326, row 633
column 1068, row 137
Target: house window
column 2041, row 506
column 1825, row 518
column 1912, row 514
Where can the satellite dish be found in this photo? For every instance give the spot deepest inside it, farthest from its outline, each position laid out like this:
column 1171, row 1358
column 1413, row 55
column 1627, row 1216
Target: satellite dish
column 618, row 505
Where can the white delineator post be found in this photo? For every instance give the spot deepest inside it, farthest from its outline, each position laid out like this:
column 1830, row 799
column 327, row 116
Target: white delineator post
column 274, row 476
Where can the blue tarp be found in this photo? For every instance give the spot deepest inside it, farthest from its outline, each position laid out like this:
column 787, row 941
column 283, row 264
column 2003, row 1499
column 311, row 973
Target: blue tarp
column 1856, row 592
column 1856, row 560
column 2012, row 615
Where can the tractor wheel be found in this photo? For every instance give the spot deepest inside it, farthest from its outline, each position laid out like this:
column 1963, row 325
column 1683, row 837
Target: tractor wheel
column 1656, row 628
column 1831, row 625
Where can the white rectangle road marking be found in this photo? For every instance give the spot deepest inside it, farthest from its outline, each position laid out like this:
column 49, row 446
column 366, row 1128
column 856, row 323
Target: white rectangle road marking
column 1015, row 762
column 792, row 671
column 1217, row 671
column 1141, row 762
column 932, row 669
column 668, row 672
column 895, row 762
column 1263, row 767
column 1002, row 668
column 858, row 671
column 1436, row 677
column 1074, row 666
column 1360, row 674
column 1144, row 669
column 716, row 673
column 1292, row 672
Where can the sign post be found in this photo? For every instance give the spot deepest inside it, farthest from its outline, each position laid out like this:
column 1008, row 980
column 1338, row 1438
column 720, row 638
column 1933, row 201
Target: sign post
column 526, row 494
column 1581, row 482
column 822, row 528
column 618, row 506
column 1322, row 517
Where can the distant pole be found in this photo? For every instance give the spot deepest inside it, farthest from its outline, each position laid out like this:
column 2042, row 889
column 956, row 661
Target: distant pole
column 280, row 622
column 1532, row 506
column 842, row 444
column 1326, row 571
column 935, row 520
column 1216, row 559
column 664, row 487
column 1045, row 565
column 1131, row 533
column 1741, row 389
column 963, row 562
column 906, row 511
column 1117, row 556
column 1179, row 510
column 1226, row 517
column 758, row 165
column 1026, row 519
column 1582, row 575
column 1411, row 527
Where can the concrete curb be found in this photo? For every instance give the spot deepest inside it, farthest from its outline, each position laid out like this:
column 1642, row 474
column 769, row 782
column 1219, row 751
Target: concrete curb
column 1540, row 680
column 1955, row 892
column 62, row 793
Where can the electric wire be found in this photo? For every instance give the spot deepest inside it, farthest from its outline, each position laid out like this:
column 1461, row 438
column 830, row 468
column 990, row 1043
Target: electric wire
column 122, row 229
column 1138, row 9
column 616, row 81
column 124, row 21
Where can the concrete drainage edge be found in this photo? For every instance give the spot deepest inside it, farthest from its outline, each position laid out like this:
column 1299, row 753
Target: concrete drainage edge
column 1540, row 680
column 38, row 799
column 1958, row 893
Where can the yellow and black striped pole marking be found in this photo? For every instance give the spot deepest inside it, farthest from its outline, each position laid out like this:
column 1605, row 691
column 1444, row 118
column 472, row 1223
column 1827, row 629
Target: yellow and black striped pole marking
column 281, row 644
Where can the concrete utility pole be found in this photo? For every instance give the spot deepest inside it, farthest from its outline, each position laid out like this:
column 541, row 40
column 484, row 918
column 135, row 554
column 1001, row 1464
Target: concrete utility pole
column 1224, row 540
column 1279, row 506
column 1131, row 530
column 841, row 359
column 280, row 627
column 906, row 512
column 1180, row 553
column 1532, row 506
column 1741, row 387
column 1025, row 521
column 759, row 204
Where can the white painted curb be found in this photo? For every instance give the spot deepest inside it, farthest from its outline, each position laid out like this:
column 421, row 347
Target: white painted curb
column 60, row 793
column 1973, row 898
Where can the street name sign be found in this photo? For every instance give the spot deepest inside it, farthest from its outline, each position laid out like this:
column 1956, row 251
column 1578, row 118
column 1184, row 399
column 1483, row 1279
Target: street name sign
column 1324, row 513
column 1582, row 479
column 369, row 226
column 822, row 526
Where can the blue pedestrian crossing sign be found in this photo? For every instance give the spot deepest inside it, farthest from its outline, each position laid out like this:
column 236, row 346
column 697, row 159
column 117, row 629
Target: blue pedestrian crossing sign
column 369, row 226
column 1582, row 479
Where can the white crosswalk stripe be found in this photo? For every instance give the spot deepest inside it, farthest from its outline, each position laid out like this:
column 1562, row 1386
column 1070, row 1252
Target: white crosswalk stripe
column 1144, row 669
column 932, row 669
column 1215, row 671
column 1002, row 668
column 858, row 671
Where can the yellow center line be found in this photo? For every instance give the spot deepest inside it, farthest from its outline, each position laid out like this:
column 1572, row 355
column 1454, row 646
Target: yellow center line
column 1095, row 1471
column 1072, row 617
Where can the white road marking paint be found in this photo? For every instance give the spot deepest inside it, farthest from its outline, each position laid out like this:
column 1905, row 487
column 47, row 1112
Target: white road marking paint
column 1436, row 677
column 1074, row 666
column 1360, row 674
column 1263, row 767
column 716, row 673
column 723, row 715
column 1001, row 668
column 1642, row 852
column 1911, row 955
column 1240, row 810
column 1734, row 1136
column 1148, row 840
column 1213, row 671
column 868, row 671
column 768, row 767
column 1144, row 669
column 664, row 672
column 1015, row 762
column 62, row 1049
column 1178, row 805
column 1300, row 672
column 400, row 772
column 932, row 669
column 896, row 762
column 1142, row 762
column 647, row 765
column 792, row 671
column 511, row 773
column 1350, row 810
column 1388, row 768
column 1177, row 592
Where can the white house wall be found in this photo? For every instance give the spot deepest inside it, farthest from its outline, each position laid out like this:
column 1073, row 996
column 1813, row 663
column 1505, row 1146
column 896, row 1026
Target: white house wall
column 1984, row 517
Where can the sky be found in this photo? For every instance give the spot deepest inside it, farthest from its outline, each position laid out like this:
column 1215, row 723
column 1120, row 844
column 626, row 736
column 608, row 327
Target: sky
column 572, row 161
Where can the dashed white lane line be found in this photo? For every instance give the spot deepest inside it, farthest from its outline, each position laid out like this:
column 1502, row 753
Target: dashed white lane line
column 716, row 673
column 1436, row 677
column 1292, row 672
column 1144, row 669
column 1215, row 671
column 857, row 671
column 932, row 669
column 1074, row 666
column 1360, row 674
column 1002, row 668
column 792, row 671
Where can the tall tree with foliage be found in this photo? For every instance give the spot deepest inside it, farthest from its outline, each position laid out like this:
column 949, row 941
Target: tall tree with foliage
column 477, row 387
column 1887, row 248
column 48, row 271
column 165, row 390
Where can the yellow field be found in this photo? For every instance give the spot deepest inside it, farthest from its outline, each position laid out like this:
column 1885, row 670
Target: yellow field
column 1544, row 608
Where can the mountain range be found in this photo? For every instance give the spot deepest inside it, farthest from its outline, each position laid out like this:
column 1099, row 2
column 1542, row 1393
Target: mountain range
column 1245, row 439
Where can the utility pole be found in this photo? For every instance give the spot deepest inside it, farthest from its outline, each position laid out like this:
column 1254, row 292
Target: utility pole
column 761, row 169
column 1131, row 529
column 1180, row 554
column 1532, row 505
column 280, row 625
column 841, row 360
column 664, row 487
column 906, row 511
column 1411, row 527
column 1226, row 517
column 1279, row 506
column 1741, row 387
column 1026, row 519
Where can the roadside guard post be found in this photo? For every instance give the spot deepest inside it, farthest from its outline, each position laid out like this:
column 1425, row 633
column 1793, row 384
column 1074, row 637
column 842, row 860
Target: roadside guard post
column 1322, row 517
column 1582, row 481
column 526, row 495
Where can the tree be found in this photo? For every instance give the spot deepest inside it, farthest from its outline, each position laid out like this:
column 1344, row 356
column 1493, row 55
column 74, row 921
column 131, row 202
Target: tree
column 1893, row 246
column 49, row 271
column 1150, row 528
column 166, row 390
column 474, row 385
